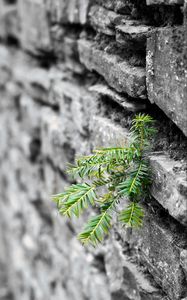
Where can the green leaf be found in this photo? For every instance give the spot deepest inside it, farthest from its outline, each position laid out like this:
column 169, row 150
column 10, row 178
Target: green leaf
column 136, row 180
column 98, row 226
column 116, row 154
column 58, row 198
column 141, row 131
column 76, row 199
column 101, row 182
column 132, row 216
column 88, row 166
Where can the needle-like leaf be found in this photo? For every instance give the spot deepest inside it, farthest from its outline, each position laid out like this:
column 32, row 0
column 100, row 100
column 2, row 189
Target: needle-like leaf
column 132, row 216
column 76, row 199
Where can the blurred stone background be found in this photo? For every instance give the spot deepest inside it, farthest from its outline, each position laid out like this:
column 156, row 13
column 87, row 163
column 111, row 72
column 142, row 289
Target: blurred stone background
column 72, row 75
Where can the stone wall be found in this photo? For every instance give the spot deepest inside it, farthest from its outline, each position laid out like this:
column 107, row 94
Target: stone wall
column 72, row 75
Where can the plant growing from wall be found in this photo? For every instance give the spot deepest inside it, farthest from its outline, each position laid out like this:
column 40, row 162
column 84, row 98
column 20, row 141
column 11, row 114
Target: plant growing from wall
column 110, row 175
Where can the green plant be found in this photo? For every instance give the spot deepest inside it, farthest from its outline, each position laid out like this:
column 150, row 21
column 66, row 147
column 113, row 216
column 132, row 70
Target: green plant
column 112, row 174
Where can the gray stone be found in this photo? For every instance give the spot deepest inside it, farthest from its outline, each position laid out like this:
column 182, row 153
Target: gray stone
column 123, row 78
column 160, row 247
column 103, row 20
column 5, row 138
column 34, row 80
column 183, row 257
column 167, row 73
column 65, row 48
column 4, row 57
column 31, row 180
column 164, row 2
column 75, row 105
column 54, row 141
column 132, row 34
column 126, row 103
column 5, row 73
column 105, row 133
column 37, row 83
column 74, row 102
column 71, row 57
column 169, row 188
column 30, row 114
column 73, row 11
column 54, row 183
column 120, row 6
column 126, row 279
column 93, row 285
column 35, row 32
column 9, row 23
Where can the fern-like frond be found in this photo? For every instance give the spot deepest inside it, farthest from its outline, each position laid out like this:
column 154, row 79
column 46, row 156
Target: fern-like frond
column 57, row 198
column 142, row 118
column 132, row 216
column 101, row 182
column 103, row 160
column 88, row 166
column 136, row 180
column 141, row 131
column 116, row 171
column 118, row 154
column 76, row 198
column 98, row 226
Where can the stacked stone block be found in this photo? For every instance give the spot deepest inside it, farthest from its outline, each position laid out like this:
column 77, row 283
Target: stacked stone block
column 72, row 75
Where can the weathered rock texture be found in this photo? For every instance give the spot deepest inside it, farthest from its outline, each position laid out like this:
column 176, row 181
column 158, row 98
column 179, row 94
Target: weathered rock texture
column 72, row 75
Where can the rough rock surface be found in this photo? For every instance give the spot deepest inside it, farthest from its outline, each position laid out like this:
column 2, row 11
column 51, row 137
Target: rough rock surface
column 72, row 75
column 124, row 78
column 167, row 73
column 165, row 2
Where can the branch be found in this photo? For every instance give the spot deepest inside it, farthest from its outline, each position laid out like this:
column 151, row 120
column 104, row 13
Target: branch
column 98, row 226
column 76, row 198
column 132, row 216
